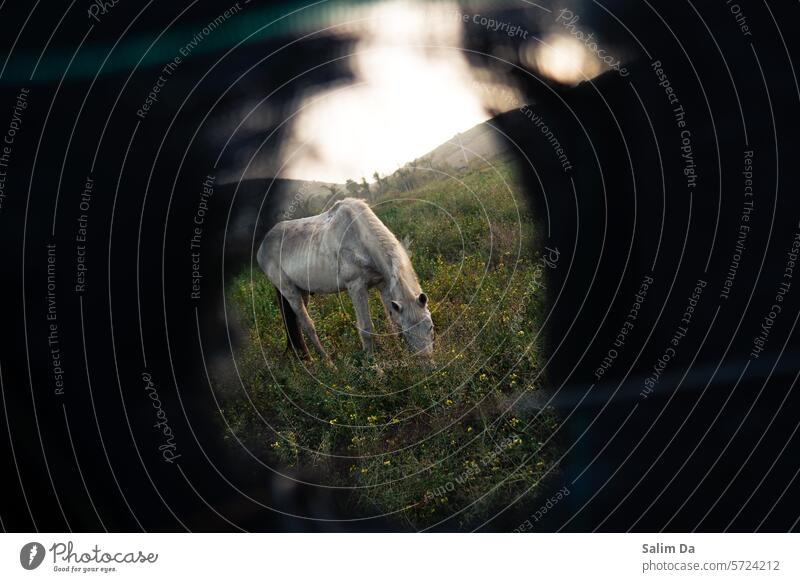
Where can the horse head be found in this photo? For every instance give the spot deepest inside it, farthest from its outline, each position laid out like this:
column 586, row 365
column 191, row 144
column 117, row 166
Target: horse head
column 410, row 313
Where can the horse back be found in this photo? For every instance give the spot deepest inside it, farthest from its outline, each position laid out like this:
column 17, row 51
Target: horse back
column 318, row 254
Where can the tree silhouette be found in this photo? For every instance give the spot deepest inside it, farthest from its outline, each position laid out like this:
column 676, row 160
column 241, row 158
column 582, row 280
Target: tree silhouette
column 333, row 189
column 335, row 193
column 351, row 187
column 379, row 183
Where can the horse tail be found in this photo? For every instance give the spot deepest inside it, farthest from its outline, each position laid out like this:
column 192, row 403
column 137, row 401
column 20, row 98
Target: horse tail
column 294, row 334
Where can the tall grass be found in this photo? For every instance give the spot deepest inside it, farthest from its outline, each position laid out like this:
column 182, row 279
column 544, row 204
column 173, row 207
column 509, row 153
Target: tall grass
column 423, row 442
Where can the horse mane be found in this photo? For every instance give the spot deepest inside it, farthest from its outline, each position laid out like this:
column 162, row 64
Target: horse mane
column 393, row 257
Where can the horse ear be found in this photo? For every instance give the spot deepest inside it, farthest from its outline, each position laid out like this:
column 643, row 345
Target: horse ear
column 397, row 307
column 423, row 299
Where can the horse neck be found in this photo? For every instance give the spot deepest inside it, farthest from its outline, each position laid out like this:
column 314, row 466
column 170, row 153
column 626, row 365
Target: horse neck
column 386, row 252
column 404, row 282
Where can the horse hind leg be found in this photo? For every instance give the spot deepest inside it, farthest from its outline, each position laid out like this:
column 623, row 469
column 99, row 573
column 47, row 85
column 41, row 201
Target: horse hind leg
column 294, row 334
column 294, row 297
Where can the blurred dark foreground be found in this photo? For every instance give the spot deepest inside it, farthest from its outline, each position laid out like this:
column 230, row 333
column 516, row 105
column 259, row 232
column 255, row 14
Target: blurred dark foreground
column 671, row 334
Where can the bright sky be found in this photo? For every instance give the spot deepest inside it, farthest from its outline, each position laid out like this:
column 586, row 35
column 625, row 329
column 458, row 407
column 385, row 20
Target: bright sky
column 413, row 91
column 408, row 98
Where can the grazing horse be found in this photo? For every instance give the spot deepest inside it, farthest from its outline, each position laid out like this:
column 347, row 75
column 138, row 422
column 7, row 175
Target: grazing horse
column 346, row 247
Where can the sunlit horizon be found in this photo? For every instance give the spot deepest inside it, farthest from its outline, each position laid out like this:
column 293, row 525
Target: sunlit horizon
column 412, row 93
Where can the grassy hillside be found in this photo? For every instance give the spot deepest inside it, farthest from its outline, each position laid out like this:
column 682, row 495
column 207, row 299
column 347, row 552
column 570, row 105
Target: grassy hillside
column 424, row 442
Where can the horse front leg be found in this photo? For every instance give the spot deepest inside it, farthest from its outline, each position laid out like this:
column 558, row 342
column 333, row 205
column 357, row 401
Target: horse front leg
column 386, row 299
column 359, row 295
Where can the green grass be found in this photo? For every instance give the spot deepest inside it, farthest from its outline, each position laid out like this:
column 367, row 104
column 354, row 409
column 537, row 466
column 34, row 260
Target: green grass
column 421, row 442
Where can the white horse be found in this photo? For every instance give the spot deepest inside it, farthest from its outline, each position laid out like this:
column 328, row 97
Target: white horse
column 346, row 247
